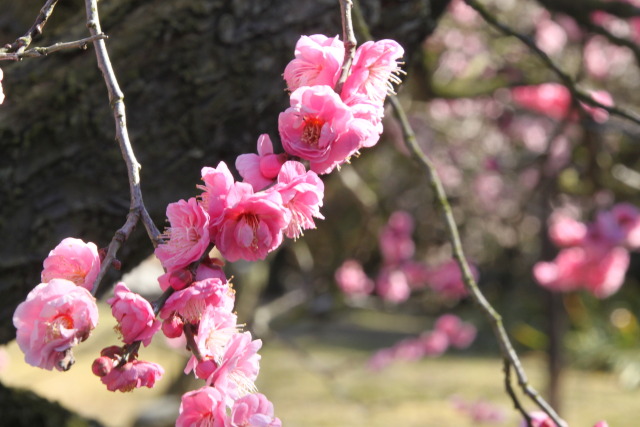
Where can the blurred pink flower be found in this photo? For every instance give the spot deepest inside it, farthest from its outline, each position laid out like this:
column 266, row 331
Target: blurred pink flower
column 392, row 285
column 550, row 37
column 446, row 279
column 554, row 100
column 434, row 343
column 202, row 407
column 539, row 419
column 252, row 224
column 188, row 235
column 320, row 128
column 396, row 243
column 619, row 226
column 601, row 424
column 136, row 319
column 598, row 269
column 253, row 410
column 375, row 67
column 134, row 374
column 318, row 61
column 260, row 170
column 565, row 231
column 352, row 280
column 302, row 193
column 73, row 260
column 55, row 317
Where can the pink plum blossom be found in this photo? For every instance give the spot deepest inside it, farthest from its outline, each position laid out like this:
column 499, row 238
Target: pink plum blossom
column 55, row 317
column 601, row 424
column 480, row 411
column 202, row 407
column 260, row 170
column 73, row 260
column 352, row 279
column 392, row 285
column 215, row 329
column 239, row 366
column 446, row 279
column 320, row 128
column 565, row 231
column 598, row 269
column 554, row 100
column 191, row 302
column 218, row 182
column 318, row 61
column 253, row 410
column 550, row 36
column 133, row 374
column 252, row 224
column 375, row 68
column 188, row 235
column 396, row 243
column 135, row 316
column 302, row 193
column 434, row 343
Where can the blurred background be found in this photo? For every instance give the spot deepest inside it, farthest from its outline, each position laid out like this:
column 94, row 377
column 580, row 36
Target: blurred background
column 507, row 163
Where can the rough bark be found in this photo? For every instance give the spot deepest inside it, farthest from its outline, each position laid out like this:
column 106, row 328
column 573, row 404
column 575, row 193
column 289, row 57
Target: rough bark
column 202, row 79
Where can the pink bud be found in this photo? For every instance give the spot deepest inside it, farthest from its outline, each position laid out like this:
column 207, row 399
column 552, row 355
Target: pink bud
column 172, row 327
column 102, row 366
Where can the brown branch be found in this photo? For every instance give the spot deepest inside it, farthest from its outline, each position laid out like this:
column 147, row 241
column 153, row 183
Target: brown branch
column 565, row 79
column 137, row 209
column 350, row 43
column 21, row 44
column 37, row 52
column 511, row 392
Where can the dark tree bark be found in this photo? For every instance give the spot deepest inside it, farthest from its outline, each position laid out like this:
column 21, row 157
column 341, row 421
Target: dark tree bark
column 202, row 79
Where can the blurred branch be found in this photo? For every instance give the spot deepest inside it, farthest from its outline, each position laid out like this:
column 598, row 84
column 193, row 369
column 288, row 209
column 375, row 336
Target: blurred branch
column 137, row 210
column 566, row 80
column 620, row 41
column 21, row 44
column 37, row 52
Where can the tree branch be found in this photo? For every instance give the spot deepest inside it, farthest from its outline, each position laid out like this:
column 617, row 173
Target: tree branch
column 137, row 209
column 21, row 44
column 350, row 43
column 37, row 52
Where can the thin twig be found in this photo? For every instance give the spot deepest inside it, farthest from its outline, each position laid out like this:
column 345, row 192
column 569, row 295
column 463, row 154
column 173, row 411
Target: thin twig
column 350, row 43
column 564, row 77
column 493, row 317
column 36, row 52
column 137, row 209
column 21, row 44
column 511, row 392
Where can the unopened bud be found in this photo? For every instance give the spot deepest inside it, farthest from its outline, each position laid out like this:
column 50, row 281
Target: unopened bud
column 102, row 366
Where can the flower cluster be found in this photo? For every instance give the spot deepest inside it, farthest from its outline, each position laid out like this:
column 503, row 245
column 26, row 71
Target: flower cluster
column 449, row 330
column 60, row 312
column 594, row 256
column 400, row 273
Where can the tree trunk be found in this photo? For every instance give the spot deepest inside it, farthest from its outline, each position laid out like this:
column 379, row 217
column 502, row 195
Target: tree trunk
column 202, row 80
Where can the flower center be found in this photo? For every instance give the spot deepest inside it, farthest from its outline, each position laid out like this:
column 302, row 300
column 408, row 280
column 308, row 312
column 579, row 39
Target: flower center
column 55, row 326
column 311, row 132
